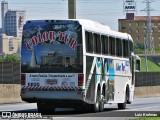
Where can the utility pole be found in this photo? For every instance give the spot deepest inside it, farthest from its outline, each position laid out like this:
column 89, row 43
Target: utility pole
column 72, row 9
column 149, row 41
column 149, row 27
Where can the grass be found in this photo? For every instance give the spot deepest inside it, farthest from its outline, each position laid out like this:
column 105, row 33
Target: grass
column 147, row 118
column 152, row 67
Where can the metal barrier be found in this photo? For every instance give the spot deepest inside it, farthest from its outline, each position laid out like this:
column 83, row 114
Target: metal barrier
column 10, row 74
column 147, row 79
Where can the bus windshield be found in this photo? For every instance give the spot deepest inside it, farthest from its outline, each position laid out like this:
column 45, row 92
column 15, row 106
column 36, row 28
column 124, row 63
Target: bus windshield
column 52, row 47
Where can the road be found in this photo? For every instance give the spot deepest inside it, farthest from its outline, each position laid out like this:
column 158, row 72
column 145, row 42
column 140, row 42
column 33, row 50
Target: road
column 140, row 106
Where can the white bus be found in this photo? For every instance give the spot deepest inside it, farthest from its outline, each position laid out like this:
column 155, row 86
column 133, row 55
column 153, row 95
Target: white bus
column 76, row 63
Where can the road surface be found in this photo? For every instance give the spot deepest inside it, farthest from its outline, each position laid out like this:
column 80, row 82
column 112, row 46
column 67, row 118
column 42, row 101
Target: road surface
column 139, row 108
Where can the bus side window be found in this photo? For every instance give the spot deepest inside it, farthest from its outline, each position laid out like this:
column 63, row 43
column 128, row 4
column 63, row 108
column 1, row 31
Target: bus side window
column 103, row 44
column 104, row 40
column 94, row 42
column 112, row 46
column 97, row 43
column 107, row 44
column 122, row 47
column 118, row 47
column 130, row 47
column 125, row 48
column 89, row 42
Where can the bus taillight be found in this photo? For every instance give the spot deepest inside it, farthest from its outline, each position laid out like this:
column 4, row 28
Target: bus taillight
column 80, row 79
column 23, row 79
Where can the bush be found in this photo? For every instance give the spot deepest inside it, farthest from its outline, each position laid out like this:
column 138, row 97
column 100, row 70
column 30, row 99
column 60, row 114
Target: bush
column 10, row 58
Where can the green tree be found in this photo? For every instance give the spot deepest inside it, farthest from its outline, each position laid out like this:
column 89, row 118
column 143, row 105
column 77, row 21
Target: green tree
column 139, row 46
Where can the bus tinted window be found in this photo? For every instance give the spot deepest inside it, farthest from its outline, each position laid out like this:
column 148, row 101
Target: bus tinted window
column 104, row 40
column 125, row 48
column 118, row 47
column 130, row 47
column 97, row 43
column 112, row 46
column 89, row 42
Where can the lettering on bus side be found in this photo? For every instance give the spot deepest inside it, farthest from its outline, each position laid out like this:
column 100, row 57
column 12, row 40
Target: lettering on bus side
column 50, row 36
column 120, row 67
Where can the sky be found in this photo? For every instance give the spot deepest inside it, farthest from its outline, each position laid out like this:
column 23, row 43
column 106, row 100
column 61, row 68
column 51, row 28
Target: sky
column 103, row 11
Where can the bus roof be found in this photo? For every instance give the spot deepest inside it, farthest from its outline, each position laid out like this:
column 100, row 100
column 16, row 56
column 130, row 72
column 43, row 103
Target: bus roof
column 93, row 26
column 102, row 28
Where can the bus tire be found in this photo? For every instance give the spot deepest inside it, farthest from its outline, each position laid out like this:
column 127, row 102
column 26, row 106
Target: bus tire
column 123, row 105
column 96, row 107
column 101, row 105
column 45, row 108
column 82, row 109
column 128, row 95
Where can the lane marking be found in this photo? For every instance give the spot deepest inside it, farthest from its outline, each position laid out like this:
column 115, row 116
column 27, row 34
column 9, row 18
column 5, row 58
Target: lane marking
column 59, row 117
column 107, row 112
column 141, row 108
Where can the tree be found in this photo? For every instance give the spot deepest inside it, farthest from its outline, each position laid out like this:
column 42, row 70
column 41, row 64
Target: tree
column 139, row 46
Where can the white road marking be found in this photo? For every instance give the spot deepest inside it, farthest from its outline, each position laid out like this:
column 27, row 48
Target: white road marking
column 142, row 108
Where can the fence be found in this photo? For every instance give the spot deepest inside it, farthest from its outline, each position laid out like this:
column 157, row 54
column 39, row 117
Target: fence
column 10, row 74
column 147, row 79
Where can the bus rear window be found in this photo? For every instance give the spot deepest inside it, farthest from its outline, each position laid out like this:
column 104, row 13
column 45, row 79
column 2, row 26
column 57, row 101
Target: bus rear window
column 53, row 48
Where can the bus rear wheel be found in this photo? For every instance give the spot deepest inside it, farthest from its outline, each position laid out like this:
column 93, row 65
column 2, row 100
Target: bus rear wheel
column 99, row 105
column 123, row 105
column 45, row 108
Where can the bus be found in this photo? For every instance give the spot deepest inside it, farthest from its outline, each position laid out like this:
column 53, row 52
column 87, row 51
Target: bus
column 76, row 64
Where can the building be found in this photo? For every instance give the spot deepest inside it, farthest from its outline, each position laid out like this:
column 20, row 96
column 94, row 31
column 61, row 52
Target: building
column 58, row 58
column 136, row 27
column 12, row 21
column 9, row 44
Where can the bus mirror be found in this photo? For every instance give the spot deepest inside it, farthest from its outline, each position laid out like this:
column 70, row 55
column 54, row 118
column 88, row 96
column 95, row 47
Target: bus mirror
column 138, row 64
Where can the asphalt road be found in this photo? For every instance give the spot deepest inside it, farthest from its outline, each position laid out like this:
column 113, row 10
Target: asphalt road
column 139, row 108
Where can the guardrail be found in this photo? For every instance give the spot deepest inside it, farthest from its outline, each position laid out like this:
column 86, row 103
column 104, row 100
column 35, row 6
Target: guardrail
column 147, row 79
column 147, row 84
column 10, row 74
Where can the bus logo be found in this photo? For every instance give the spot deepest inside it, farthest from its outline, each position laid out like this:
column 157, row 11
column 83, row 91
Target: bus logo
column 51, row 81
column 50, row 36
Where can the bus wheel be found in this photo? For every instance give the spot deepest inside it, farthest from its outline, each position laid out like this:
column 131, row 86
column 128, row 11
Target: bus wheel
column 128, row 95
column 96, row 107
column 101, row 105
column 123, row 105
column 45, row 108
column 82, row 109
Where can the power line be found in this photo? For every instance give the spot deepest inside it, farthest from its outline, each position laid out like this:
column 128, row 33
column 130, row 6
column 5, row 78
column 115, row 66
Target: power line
column 149, row 42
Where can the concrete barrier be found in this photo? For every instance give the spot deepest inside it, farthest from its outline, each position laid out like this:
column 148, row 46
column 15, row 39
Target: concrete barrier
column 150, row 91
column 10, row 93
